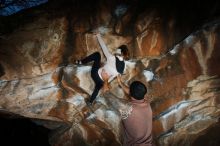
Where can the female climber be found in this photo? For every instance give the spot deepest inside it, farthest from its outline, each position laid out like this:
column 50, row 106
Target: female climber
column 113, row 66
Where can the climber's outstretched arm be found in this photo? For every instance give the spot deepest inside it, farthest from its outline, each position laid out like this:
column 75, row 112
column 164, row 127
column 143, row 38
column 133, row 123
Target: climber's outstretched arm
column 103, row 46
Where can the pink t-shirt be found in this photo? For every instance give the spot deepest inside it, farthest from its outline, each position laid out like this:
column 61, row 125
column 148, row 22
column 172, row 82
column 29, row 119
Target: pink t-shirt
column 138, row 125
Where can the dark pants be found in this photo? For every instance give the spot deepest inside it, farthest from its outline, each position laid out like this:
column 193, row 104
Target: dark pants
column 96, row 57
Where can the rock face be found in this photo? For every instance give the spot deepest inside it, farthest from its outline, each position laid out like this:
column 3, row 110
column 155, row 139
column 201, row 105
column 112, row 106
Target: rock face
column 38, row 79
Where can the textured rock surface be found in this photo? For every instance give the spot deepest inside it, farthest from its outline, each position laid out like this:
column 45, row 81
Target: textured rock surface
column 38, row 79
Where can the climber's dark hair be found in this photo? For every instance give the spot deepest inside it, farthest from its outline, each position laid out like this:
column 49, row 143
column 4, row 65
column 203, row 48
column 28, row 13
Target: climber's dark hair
column 138, row 90
column 124, row 51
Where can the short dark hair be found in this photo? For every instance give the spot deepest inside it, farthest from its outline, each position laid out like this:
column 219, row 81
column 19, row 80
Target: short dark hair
column 124, row 51
column 138, row 90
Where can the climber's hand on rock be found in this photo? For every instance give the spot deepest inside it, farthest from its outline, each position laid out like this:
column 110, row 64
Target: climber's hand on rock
column 95, row 32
